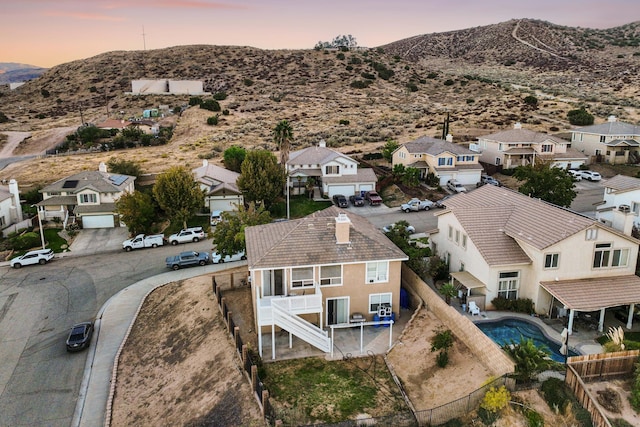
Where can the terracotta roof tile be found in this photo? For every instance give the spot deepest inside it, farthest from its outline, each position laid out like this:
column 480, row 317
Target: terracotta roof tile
column 595, row 293
column 623, row 183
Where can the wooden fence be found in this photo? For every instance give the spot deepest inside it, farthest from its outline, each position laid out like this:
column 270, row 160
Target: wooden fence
column 597, row 367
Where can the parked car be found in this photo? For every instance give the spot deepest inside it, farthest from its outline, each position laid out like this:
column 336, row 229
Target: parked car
column 340, row 201
column 441, row 203
column 590, row 175
column 187, row 259
column 80, row 336
column 416, row 204
column 143, row 241
column 216, row 217
column 40, row 256
column 409, row 228
column 486, row 179
column 373, row 198
column 576, row 174
column 216, row 258
column 192, row 234
column 356, row 200
column 455, row 186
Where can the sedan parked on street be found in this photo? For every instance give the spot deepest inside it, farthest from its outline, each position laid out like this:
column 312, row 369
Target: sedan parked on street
column 80, row 336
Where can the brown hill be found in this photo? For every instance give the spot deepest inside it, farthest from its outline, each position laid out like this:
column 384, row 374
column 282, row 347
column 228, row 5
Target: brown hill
column 355, row 100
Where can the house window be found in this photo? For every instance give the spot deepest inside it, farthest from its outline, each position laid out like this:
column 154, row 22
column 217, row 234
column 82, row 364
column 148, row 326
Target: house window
column 450, row 233
column 449, row 161
column 457, row 240
column 591, row 234
column 620, row 257
column 461, row 266
column 602, row 255
column 330, row 275
column 401, row 154
column 2, row 221
column 302, row 277
column 508, row 284
column 88, row 198
column 551, row 261
column 376, row 300
column 464, row 241
column 377, row 271
column 635, row 208
column 442, row 161
column 500, row 147
column 460, row 159
column 498, row 161
column 602, row 138
column 332, row 170
column 547, row 148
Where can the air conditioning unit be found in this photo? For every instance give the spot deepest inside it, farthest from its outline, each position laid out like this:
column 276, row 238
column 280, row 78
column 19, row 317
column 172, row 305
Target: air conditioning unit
column 624, row 208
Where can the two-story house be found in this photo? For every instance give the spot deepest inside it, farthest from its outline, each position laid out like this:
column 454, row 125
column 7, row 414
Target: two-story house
column 620, row 207
column 10, row 207
column 501, row 243
column 320, row 270
column 221, row 192
column 87, row 197
column 611, row 142
column 521, row 147
column 444, row 159
column 334, row 172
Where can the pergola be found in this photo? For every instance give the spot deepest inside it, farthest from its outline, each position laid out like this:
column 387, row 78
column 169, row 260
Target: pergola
column 596, row 294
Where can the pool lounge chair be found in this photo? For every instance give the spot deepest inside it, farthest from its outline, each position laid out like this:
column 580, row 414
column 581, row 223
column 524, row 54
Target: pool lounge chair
column 473, row 308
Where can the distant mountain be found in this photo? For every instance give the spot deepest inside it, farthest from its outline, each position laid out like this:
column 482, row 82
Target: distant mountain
column 12, row 72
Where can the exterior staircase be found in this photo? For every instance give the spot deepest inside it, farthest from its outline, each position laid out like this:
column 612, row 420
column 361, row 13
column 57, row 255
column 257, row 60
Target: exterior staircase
column 284, row 314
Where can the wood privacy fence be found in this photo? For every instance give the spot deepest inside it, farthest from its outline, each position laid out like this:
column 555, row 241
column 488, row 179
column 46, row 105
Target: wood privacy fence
column 598, row 367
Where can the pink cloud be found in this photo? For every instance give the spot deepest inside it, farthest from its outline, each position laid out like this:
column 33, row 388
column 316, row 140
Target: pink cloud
column 169, row 4
column 84, row 16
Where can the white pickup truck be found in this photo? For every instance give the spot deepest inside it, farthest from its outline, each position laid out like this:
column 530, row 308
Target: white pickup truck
column 143, row 241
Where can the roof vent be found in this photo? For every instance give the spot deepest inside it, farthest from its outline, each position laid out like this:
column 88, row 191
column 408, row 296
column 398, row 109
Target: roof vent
column 612, row 119
column 624, row 208
column 517, row 125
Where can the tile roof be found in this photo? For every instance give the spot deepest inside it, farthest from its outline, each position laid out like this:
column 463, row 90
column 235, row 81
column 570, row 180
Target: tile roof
column 212, row 175
column 101, row 208
column 311, row 241
column 571, row 153
column 595, row 293
column 622, row 183
column 362, row 175
column 4, row 193
column 610, row 128
column 101, row 182
column 496, row 218
column 434, row 147
column 622, row 143
column 315, row 155
column 522, row 135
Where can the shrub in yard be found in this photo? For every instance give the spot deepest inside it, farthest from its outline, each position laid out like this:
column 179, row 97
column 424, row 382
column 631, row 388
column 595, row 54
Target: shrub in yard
column 438, row 268
column 495, row 400
column 635, row 389
column 530, row 360
column 26, row 241
column 442, row 359
column 442, row 341
column 520, row 305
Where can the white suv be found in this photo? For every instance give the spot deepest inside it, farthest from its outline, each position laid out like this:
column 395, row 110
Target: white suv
column 590, row 175
column 41, row 256
column 216, row 258
column 455, row 186
column 193, row 234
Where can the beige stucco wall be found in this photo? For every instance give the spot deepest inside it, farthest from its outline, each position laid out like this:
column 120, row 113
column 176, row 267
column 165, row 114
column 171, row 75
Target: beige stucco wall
column 482, row 347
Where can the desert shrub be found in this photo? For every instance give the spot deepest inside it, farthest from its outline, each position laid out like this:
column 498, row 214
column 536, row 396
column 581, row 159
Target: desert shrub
column 344, row 122
column 412, row 87
column 383, row 72
column 349, row 68
column 432, row 75
column 531, row 100
column 211, row 105
column 442, row 359
column 213, row 120
column 220, row 96
column 3, row 118
column 340, row 56
column 534, row 419
column 355, row 60
column 376, row 156
column 558, row 396
column 360, row 84
column 225, row 112
column 487, row 417
column 580, row 117
column 448, row 82
column 248, row 82
column 195, row 100
column 367, row 76
column 45, row 93
column 470, row 101
column 453, row 423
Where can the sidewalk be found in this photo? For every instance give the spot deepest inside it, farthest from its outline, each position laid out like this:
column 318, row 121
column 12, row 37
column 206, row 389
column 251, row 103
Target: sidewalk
column 112, row 326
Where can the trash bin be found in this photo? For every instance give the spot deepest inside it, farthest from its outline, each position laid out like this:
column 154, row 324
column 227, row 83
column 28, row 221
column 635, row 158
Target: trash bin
column 376, row 318
column 404, row 298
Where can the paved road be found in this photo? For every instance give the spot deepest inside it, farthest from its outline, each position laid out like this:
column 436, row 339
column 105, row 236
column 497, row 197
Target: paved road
column 39, row 380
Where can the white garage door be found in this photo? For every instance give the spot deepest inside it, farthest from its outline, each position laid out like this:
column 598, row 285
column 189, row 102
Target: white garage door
column 470, row 178
column 365, row 187
column 345, row 190
column 98, row 221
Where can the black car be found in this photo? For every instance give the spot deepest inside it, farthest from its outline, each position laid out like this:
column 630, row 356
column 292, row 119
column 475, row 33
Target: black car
column 356, row 200
column 80, row 336
column 340, row 201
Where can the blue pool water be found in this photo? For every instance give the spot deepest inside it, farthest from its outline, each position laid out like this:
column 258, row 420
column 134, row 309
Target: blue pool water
column 504, row 331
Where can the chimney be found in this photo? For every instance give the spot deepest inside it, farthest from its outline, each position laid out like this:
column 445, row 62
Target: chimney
column 13, row 190
column 612, row 119
column 517, row 125
column 449, row 137
column 102, row 167
column 205, row 163
column 322, row 143
column 342, row 228
column 623, row 219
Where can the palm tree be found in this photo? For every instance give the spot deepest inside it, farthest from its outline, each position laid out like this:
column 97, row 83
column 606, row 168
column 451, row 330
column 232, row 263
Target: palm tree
column 283, row 135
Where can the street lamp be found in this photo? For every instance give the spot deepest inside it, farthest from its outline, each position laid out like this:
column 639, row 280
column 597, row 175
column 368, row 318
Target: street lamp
column 40, row 226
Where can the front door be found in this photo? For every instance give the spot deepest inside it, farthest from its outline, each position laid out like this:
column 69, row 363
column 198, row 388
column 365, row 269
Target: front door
column 337, row 310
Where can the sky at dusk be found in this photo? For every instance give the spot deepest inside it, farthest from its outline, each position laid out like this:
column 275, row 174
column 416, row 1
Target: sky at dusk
column 47, row 33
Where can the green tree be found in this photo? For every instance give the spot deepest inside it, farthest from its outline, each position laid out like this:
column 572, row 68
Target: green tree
column 548, row 183
column 228, row 236
column 178, row 194
column 283, row 136
column 137, row 210
column 233, row 158
column 530, row 360
column 124, row 167
column 132, row 133
column 88, row 134
column 261, row 178
column 411, row 177
column 416, row 250
column 388, row 149
column 580, row 117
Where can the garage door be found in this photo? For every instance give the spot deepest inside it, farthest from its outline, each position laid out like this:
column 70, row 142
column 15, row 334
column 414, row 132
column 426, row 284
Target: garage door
column 98, row 221
column 345, row 190
column 365, row 187
column 468, row 178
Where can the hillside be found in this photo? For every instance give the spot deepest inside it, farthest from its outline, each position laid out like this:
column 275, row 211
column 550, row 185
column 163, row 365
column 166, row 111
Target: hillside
column 404, row 91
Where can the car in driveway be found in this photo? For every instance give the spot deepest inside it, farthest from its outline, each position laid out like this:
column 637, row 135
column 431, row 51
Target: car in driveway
column 455, row 186
column 373, row 198
column 415, row 205
column 486, row 179
column 575, row 174
column 192, row 234
column 40, row 256
column 79, row 336
column 340, row 201
column 356, row 200
column 442, row 202
column 590, row 175
column 216, row 258
column 187, row 259
column 409, row 228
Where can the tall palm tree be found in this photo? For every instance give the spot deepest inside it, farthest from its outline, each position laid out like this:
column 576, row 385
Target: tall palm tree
column 283, row 136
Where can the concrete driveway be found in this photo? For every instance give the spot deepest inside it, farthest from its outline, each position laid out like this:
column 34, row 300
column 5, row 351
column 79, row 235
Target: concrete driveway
column 95, row 240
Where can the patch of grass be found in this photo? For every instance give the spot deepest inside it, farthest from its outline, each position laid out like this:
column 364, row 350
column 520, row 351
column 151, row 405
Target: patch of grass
column 332, row 391
column 194, row 221
column 54, row 241
column 299, row 206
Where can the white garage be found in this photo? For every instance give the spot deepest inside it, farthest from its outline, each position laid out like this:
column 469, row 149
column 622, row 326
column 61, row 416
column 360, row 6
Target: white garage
column 345, row 190
column 98, row 221
column 366, row 187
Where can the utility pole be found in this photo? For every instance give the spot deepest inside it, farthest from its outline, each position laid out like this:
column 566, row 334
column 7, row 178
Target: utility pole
column 144, row 40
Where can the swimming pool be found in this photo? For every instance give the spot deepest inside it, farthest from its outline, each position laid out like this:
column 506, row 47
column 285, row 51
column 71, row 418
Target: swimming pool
column 505, row 330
